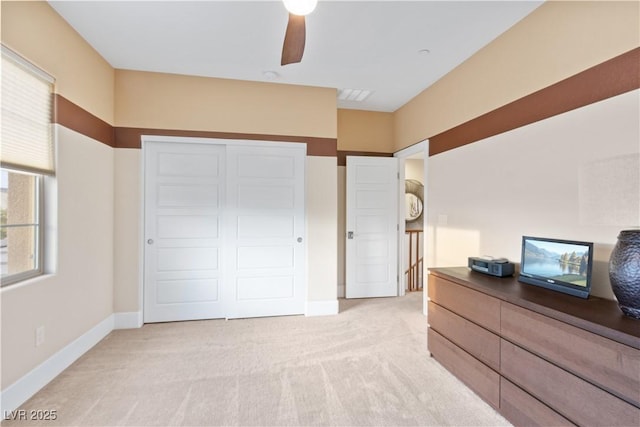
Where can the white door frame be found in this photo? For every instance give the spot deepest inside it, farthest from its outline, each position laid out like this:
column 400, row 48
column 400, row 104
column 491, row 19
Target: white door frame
column 420, row 147
column 141, row 217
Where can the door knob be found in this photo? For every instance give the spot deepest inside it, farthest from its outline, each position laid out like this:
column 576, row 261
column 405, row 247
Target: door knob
column 349, row 234
column 299, row 239
column 150, row 241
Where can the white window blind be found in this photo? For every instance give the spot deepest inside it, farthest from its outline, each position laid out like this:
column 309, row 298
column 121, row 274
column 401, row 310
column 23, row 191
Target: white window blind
column 27, row 141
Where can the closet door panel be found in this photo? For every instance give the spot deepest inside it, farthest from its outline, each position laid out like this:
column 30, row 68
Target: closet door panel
column 265, row 222
column 184, row 186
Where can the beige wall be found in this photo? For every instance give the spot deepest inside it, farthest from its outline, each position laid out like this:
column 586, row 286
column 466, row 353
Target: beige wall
column 556, row 41
column 322, row 228
column 574, row 176
column 414, row 169
column 79, row 293
column 34, row 30
column 171, row 101
column 127, row 230
column 365, row 131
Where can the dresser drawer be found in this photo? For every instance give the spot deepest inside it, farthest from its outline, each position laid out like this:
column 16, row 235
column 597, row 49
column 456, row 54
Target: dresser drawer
column 472, row 305
column 478, row 376
column 481, row 343
column 599, row 360
column 523, row 410
column 579, row 401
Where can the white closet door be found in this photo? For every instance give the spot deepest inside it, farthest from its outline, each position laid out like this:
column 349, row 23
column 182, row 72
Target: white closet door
column 372, row 227
column 184, row 192
column 265, row 223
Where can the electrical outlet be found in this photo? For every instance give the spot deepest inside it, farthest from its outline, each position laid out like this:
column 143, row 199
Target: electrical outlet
column 39, row 336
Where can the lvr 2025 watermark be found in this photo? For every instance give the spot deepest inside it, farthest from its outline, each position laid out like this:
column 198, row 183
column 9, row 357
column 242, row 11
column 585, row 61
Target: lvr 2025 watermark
column 31, row 415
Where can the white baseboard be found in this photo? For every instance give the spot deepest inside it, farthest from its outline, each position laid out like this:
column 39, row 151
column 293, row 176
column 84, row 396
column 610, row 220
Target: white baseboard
column 127, row 320
column 20, row 391
column 342, row 290
column 321, row 308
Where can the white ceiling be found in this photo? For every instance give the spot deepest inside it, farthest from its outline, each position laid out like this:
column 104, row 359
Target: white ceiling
column 370, row 45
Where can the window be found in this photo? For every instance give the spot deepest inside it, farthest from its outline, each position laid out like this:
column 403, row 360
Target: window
column 20, row 231
column 26, row 156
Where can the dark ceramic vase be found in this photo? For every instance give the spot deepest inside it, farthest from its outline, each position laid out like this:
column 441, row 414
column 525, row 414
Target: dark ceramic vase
column 624, row 272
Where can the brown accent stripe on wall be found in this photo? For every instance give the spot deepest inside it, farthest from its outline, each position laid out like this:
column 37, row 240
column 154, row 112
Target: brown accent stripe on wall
column 131, row 138
column 611, row 78
column 342, row 155
column 69, row 115
column 74, row 117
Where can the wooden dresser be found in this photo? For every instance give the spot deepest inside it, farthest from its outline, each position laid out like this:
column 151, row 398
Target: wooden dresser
column 539, row 357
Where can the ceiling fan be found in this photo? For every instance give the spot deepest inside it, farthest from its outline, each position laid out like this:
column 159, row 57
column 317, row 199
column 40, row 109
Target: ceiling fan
column 294, row 38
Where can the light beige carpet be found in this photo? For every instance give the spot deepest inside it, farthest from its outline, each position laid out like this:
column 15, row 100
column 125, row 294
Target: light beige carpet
column 367, row 366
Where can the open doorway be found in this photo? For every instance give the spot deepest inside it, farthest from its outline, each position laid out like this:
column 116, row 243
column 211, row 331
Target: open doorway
column 412, row 264
column 418, row 152
column 412, row 205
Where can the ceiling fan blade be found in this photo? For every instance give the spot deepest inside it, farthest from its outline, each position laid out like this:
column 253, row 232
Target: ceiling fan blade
column 294, row 39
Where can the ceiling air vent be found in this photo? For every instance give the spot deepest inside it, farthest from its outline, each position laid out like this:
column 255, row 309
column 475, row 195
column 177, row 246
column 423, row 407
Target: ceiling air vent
column 357, row 95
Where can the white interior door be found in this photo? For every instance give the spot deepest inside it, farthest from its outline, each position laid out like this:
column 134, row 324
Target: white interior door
column 184, row 188
column 265, row 217
column 372, row 227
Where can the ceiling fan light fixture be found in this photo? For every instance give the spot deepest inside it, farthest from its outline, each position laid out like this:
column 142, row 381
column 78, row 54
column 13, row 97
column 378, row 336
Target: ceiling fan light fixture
column 300, row 7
